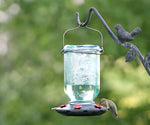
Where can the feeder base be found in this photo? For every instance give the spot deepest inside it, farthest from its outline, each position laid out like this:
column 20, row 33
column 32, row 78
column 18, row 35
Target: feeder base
column 81, row 109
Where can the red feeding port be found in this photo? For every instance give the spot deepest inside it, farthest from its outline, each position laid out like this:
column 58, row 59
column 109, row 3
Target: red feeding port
column 78, row 106
column 98, row 106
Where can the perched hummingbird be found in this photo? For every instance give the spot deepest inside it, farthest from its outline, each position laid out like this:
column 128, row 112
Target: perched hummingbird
column 110, row 105
column 125, row 36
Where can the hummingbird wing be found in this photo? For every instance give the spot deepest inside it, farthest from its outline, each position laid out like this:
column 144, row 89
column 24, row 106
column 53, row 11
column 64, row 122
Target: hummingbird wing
column 111, row 105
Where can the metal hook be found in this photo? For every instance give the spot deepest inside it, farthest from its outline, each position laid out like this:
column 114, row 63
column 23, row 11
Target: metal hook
column 115, row 38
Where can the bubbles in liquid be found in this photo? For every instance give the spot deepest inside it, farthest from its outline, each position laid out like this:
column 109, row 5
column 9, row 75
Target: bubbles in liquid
column 82, row 73
column 84, row 69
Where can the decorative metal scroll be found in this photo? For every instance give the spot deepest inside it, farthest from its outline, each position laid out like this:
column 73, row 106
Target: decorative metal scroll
column 123, row 37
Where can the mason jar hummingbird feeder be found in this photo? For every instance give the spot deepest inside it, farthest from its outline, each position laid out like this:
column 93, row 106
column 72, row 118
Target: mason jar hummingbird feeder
column 82, row 70
column 82, row 78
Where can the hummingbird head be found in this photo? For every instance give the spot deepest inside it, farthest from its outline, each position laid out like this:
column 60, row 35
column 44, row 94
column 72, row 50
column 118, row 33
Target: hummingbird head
column 103, row 101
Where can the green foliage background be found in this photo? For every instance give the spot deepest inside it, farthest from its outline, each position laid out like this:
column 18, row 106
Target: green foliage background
column 31, row 72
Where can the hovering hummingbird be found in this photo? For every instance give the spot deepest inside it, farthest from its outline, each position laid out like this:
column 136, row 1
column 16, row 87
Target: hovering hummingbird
column 110, row 105
column 125, row 36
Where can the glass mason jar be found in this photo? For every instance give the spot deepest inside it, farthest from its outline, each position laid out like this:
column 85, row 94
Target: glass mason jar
column 81, row 73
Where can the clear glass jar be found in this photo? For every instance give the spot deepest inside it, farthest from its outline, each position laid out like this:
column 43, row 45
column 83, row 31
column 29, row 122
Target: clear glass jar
column 81, row 73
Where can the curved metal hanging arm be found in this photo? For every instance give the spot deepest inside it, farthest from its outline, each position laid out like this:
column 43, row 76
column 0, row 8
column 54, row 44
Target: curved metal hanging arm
column 101, row 50
column 133, row 49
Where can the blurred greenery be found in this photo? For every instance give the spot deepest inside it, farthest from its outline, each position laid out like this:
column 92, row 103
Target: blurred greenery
column 31, row 66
